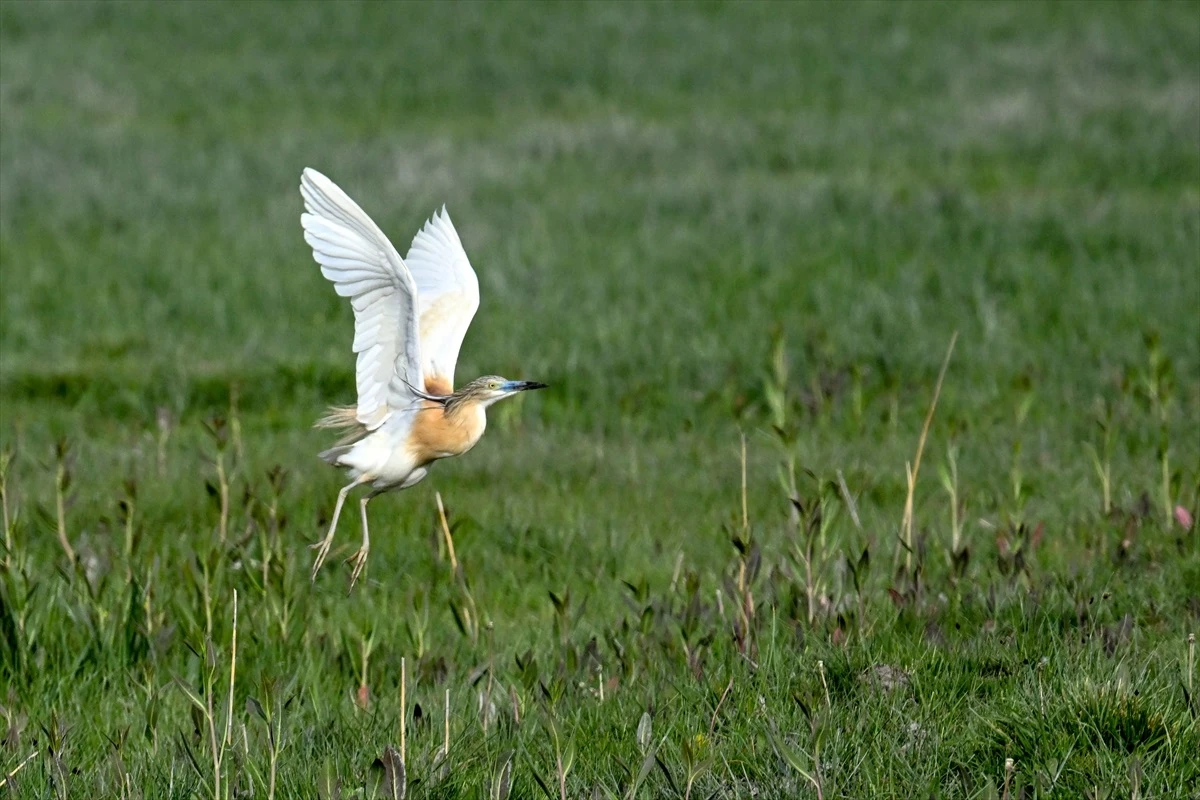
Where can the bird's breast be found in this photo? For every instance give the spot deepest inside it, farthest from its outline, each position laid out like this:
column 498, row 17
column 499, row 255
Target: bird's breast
column 436, row 434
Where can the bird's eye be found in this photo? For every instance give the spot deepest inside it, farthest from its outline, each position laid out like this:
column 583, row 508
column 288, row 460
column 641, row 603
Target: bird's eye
column 494, row 385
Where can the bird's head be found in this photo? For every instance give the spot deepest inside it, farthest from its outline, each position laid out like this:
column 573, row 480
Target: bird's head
column 491, row 388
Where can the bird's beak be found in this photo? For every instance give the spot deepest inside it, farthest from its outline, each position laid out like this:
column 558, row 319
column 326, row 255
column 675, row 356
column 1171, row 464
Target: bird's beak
column 523, row 386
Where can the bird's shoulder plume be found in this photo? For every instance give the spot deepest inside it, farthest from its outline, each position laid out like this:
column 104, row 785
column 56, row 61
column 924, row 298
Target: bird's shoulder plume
column 343, row 418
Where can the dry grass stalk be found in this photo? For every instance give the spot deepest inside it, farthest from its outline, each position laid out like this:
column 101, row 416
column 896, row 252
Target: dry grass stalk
column 4, row 781
column 1191, row 663
column 849, row 500
column 712, row 725
column 235, row 425
column 62, row 480
column 403, row 710
column 906, row 525
column 446, row 532
column 223, row 488
column 232, row 671
column 745, row 508
column 446, row 728
column 6, row 459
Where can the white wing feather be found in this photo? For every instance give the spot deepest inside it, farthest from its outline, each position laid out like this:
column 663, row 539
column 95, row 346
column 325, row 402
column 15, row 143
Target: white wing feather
column 364, row 266
column 449, row 296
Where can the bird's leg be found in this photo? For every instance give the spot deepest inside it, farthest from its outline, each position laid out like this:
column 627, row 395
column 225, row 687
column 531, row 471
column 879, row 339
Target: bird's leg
column 359, row 559
column 322, row 547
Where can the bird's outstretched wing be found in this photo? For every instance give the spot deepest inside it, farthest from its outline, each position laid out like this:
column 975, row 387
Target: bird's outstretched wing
column 449, row 297
column 363, row 265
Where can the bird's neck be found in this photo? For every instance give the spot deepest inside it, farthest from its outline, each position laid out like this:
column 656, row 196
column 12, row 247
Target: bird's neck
column 462, row 407
column 465, row 400
column 446, row 430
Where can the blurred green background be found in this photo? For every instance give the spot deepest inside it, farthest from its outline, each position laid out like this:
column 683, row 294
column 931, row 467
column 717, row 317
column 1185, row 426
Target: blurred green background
column 646, row 190
column 694, row 221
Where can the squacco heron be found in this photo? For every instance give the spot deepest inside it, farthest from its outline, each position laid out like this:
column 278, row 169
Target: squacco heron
column 410, row 317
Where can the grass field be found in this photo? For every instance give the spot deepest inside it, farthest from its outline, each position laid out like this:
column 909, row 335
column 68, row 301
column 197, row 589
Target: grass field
column 698, row 223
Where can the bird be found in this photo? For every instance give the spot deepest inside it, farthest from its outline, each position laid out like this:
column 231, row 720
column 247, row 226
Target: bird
column 410, row 317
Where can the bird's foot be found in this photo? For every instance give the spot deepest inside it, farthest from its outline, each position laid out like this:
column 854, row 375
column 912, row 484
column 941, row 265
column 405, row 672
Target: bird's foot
column 359, row 561
column 322, row 548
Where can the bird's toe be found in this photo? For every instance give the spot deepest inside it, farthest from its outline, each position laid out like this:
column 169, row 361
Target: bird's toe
column 359, row 563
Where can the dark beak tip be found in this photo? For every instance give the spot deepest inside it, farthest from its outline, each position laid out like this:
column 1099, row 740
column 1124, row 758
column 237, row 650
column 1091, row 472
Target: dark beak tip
column 535, row 385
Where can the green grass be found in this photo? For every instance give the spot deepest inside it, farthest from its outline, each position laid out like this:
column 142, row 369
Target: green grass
column 695, row 222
